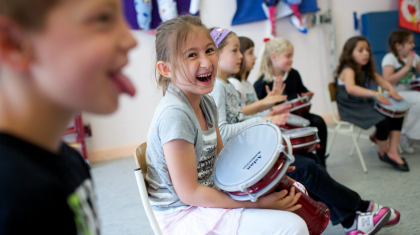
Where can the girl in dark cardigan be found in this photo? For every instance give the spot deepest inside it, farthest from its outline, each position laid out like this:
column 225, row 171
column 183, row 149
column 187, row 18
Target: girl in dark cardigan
column 276, row 69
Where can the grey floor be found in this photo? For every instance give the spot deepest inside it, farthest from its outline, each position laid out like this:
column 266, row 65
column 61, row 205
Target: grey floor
column 121, row 211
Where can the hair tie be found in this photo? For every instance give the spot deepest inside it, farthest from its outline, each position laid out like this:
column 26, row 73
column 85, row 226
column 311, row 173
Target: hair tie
column 218, row 34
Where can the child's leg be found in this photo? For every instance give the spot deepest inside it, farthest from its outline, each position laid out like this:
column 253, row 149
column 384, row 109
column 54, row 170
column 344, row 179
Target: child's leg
column 412, row 125
column 395, row 126
column 271, row 222
column 342, row 201
column 382, row 131
column 318, row 122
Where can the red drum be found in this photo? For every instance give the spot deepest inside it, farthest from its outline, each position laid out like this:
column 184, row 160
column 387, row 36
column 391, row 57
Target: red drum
column 415, row 84
column 316, row 214
column 294, row 122
column 397, row 109
column 300, row 106
column 303, row 140
column 254, row 163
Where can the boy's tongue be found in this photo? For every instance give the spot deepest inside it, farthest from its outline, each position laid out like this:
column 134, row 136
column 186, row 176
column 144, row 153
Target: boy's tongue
column 124, row 84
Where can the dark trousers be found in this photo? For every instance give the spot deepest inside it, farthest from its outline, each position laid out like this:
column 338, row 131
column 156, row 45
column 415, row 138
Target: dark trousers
column 388, row 124
column 342, row 201
column 318, row 122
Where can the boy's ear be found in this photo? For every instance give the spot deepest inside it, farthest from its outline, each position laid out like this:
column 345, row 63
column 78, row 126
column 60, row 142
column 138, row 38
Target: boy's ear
column 164, row 68
column 15, row 49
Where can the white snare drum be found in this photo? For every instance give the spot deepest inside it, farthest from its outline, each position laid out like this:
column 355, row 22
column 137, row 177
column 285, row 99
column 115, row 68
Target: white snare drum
column 294, row 122
column 303, row 140
column 414, row 84
column 253, row 162
column 397, row 109
column 300, row 105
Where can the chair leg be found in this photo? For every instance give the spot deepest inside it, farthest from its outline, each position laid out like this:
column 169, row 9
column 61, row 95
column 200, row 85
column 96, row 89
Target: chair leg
column 362, row 161
column 331, row 142
column 357, row 139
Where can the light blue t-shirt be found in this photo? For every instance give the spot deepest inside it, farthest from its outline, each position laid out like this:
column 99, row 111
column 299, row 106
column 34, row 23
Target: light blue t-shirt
column 174, row 118
column 231, row 118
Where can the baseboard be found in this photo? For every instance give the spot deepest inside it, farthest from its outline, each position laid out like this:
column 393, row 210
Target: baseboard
column 111, row 153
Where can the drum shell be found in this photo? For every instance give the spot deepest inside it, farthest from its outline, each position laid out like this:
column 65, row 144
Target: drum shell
column 415, row 85
column 300, row 106
column 398, row 109
column 315, row 214
column 304, row 142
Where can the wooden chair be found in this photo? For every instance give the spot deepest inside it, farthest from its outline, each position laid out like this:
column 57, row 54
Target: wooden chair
column 140, row 174
column 343, row 127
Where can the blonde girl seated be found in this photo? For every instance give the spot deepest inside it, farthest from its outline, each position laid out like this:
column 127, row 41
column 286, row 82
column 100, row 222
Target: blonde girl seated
column 355, row 101
column 184, row 139
column 399, row 67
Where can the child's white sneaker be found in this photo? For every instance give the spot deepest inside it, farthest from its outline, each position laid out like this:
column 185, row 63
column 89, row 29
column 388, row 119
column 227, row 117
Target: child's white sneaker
column 406, row 145
column 394, row 218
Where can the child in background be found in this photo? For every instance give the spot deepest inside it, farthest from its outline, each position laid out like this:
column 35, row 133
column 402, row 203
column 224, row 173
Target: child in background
column 345, row 205
column 356, row 102
column 56, row 58
column 276, row 68
column 184, row 139
column 249, row 100
column 399, row 67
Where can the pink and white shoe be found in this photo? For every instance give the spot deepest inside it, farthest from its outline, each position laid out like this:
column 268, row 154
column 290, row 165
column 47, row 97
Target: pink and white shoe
column 369, row 223
column 394, row 218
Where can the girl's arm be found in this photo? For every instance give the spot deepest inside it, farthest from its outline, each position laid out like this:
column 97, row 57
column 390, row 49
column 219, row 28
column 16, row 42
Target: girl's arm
column 387, row 86
column 182, row 165
column 393, row 77
column 264, row 104
column 348, row 76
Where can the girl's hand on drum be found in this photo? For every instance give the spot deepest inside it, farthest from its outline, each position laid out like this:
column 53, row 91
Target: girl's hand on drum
column 281, row 108
column 290, row 169
column 383, row 100
column 309, row 94
column 279, row 119
column 280, row 200
column 394, row 94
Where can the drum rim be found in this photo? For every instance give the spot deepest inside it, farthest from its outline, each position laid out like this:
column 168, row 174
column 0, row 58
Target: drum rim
column 298, row 99
column 387, row 107
column 306, row 133
column 300, row 106
column 257, row 177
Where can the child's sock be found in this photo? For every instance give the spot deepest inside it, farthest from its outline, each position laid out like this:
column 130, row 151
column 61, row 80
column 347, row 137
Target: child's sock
column 348, row 222
column 363, row 206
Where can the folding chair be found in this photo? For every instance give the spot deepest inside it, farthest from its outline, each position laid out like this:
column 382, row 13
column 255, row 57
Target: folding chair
column 140, row 174
column 343, row 127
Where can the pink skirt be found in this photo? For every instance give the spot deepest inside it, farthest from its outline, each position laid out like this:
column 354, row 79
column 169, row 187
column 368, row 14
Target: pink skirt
column 200, row 221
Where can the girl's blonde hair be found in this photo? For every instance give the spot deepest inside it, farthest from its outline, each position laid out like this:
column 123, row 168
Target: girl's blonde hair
column 276, row 46
column 170, row 39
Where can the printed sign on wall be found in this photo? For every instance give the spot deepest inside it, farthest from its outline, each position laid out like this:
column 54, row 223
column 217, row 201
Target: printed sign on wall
column 409, row 14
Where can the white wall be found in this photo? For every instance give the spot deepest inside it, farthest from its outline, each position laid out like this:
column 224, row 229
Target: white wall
column 129, row 125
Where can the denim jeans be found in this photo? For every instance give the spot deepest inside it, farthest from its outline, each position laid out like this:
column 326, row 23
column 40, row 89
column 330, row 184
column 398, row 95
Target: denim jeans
column 342, row 201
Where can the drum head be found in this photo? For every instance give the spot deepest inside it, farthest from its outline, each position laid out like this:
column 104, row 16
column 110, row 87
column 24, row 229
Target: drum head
column 300, row 132
column 396, row 106
column 248, row 156
column 296, row 120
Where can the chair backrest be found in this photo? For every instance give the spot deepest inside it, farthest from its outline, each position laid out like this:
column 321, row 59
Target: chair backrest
column 140, row 158
column 140, row 174
column 332, row 88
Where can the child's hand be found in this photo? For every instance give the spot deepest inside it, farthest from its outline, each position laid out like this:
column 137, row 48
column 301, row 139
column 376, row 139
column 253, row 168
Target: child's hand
column 309, row 94
column 383, row 100
column 393, row 93
column 271, row 100
column 410, row 59
column 280, row 201
column 281, row 108
column 280, row 119
column 278, row 88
